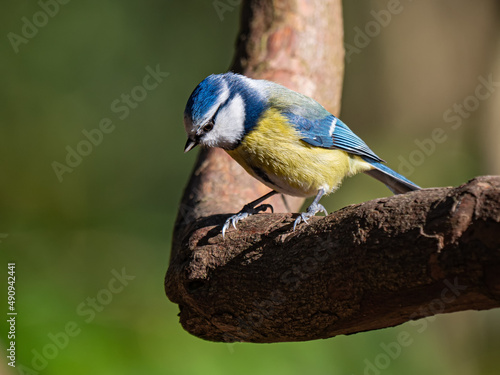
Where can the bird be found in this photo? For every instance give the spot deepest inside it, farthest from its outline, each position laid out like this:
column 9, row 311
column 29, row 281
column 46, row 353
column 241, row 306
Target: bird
column 286, row 140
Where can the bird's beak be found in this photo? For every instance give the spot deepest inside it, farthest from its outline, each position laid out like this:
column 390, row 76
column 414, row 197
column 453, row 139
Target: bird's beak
column 190, row 144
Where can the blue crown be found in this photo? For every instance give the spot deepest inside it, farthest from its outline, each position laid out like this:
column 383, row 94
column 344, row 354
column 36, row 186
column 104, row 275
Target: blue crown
column 205, row 95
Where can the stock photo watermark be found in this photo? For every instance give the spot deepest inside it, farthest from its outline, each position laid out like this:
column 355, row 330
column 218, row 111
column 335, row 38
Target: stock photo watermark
column 122, row 108
column 11, row 313
column 454, row 118
column 223, row 6
column 372, row 29
column 32, row 25
column 86, row 310
column 393, row 350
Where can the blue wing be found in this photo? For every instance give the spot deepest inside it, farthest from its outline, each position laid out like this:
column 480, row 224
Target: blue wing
column 330, row 132
column 318, row 126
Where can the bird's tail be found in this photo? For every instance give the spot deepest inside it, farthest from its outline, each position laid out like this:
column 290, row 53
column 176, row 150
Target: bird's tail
column 393, row 180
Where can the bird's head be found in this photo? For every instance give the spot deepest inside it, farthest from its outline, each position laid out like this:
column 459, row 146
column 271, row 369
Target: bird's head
column 222, row 109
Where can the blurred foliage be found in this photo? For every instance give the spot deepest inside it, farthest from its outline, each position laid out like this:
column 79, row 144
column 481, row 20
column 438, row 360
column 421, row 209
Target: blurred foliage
column 116, row 209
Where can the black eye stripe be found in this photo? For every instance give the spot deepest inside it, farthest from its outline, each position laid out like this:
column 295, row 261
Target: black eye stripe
column 212, row 119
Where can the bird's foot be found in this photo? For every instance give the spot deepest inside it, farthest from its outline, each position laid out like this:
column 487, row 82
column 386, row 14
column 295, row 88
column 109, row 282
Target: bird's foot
column 311, row 211
column 244, row 213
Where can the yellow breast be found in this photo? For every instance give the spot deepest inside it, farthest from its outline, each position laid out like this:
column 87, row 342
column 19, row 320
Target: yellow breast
column 274, row 154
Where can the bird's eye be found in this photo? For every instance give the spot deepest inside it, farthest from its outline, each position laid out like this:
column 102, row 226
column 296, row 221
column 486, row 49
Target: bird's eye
column 208, row 127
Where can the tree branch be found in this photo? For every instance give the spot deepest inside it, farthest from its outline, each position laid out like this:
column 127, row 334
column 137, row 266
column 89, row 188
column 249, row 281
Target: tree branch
column 367, row 266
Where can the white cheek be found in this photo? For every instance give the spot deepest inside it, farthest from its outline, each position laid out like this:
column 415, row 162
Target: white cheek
column 229, row 124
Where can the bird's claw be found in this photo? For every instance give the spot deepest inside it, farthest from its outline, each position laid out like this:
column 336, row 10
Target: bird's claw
column 244, row 213
column 311, row 211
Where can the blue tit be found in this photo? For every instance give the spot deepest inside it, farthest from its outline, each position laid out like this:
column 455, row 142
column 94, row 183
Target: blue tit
column 284, row 139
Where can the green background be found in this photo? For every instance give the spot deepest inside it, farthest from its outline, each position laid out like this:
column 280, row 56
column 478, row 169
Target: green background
column 116, row 209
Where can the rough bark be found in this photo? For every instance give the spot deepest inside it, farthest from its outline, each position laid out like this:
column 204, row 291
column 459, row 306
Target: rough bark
column 367, row 266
